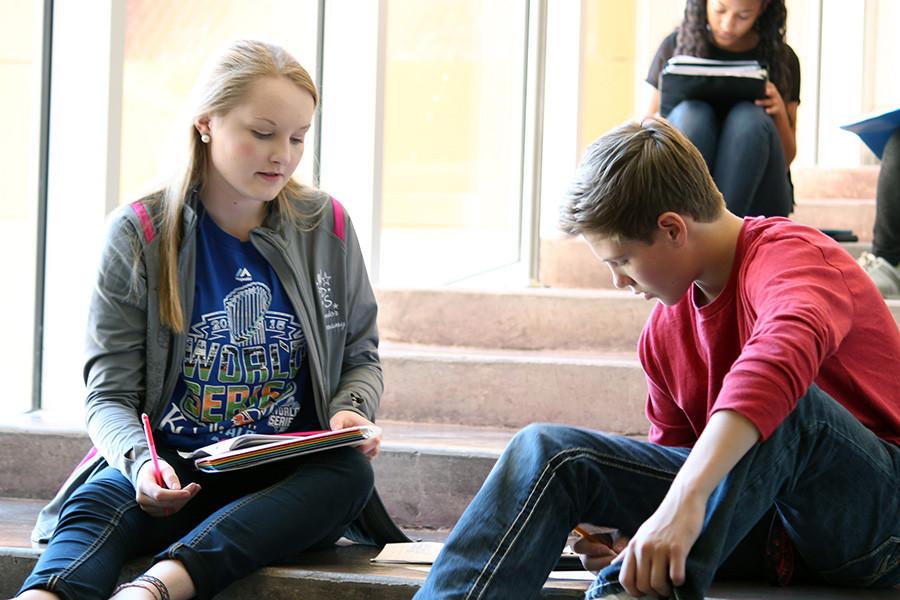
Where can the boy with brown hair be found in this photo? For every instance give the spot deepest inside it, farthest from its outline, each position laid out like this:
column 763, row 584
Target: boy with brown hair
column 772, row 371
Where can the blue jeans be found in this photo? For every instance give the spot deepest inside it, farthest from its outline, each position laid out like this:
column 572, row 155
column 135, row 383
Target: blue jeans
column 886, row 233
column 744, row 154
column 238, row 522
column 833, row 483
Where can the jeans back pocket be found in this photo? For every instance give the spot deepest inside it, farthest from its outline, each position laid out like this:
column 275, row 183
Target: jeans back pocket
column 878, row 568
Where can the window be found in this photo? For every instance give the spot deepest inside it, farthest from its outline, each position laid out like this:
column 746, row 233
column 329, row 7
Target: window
column 117, row 95
column 20, row 80
column 453, row 118
column 167, row 43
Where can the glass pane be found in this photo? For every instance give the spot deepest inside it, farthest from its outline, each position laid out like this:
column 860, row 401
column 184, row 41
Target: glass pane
column 452, row 139
column 20, row 26
column 884, row 52
column 154, row 50
column 608, row 70
column 167, row 42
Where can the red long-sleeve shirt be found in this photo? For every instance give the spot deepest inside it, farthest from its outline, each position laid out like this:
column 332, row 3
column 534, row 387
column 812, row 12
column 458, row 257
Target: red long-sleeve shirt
column 796, row 310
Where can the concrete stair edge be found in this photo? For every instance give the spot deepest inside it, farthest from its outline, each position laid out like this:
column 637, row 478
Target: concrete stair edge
column 834, row 182
column 426, row 475
column 560, row 320
column 525, row 319
column 507, row 391
column 342, row 572
column 345, row 572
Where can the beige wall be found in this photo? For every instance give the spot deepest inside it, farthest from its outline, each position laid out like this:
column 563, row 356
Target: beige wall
column 608, row 65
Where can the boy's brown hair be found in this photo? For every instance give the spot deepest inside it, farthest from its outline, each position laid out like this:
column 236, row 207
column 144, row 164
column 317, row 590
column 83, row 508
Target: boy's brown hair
column 631, row 175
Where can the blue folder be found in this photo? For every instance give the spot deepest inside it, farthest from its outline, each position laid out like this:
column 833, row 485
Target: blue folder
column 875, row 130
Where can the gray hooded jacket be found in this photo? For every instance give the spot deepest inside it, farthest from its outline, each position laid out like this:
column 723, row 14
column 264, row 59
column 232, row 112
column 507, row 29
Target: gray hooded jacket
column 133, row 361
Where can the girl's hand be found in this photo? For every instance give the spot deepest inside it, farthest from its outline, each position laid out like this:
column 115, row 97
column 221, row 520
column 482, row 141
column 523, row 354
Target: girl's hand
column 348, row 418
column 162, row 501
column 773, row 103
column 597, row 555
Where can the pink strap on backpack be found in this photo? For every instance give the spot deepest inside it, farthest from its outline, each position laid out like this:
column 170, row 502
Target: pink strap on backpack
column 338, row 218
column 146, row 224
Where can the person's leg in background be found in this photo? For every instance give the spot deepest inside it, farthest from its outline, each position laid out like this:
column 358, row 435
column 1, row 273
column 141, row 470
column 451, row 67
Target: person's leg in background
column 883, row 263
column 698, row 122
column 750, row 169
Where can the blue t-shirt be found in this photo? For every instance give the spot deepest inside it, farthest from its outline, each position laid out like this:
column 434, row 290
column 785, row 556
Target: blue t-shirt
column 245, row 368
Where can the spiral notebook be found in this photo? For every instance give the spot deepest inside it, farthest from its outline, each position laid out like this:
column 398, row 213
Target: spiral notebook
column 255, row 449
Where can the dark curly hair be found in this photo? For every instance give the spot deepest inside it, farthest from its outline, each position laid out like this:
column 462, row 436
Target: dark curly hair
column 694, row 39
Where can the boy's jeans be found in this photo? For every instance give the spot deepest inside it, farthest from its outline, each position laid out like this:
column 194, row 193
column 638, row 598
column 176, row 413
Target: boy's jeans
column 744, row 154
column 835, row 485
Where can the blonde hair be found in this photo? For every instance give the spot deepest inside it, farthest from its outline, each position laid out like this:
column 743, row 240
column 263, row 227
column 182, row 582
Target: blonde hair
column 633, row 174
column 224, row 86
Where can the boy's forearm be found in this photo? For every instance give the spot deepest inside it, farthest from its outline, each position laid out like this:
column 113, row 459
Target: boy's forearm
column 725, row 440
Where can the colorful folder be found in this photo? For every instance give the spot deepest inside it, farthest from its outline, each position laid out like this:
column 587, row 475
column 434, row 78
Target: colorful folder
column 255, row 449
column 875, row 129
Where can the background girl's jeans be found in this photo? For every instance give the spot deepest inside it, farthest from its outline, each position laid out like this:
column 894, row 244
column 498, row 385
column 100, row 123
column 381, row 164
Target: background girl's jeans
column 886, row 233
column 834, row 484
column 238, row 522
column 744, row 154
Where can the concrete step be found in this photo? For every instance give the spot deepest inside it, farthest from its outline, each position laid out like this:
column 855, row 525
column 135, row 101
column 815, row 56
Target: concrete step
column 470, row 386
column 346, row 572
column 858, row 215
column 828, row 182
column 526, row 319
column 342, row 572
column 545, row 319
column 567, row 262
column 426, row 474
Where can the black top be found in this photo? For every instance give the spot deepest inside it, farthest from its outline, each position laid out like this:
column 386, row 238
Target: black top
column 667, row 50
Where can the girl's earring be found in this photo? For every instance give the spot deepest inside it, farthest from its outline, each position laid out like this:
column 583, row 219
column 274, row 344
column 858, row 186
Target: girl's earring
column 204, row 138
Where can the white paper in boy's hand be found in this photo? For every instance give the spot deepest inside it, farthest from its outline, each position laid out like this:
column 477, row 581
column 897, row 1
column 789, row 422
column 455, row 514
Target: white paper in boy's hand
column 418, row 553
column 572, row 575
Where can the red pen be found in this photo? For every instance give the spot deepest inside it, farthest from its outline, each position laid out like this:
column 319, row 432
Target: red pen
column 149, row 435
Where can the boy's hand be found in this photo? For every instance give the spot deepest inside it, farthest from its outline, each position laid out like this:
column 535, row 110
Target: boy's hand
column 597, row 555
column 162, row 501
column 655, row 557
column 348, row 418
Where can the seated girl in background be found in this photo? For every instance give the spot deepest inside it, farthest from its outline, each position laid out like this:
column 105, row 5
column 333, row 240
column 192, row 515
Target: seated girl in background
column 749, row 146
column 234, row 301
